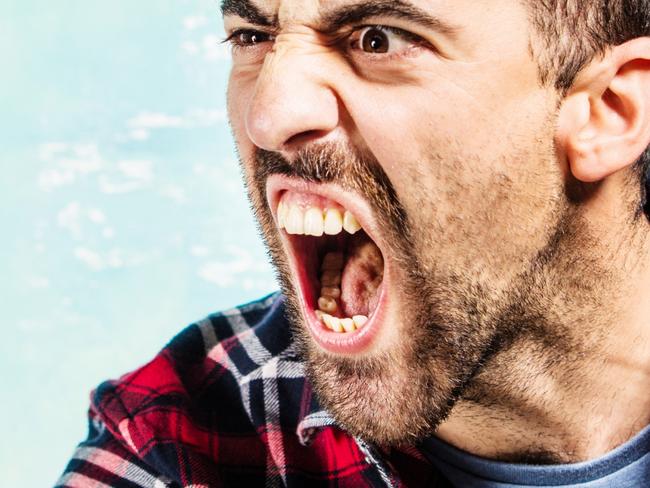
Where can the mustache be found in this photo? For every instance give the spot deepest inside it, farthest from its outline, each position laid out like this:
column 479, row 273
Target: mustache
column 355, row 171
column 320, row 163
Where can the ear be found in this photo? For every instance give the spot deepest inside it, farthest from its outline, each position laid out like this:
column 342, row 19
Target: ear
column 604, row 122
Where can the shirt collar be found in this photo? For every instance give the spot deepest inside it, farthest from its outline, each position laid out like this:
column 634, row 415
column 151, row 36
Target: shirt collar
column 311, row 423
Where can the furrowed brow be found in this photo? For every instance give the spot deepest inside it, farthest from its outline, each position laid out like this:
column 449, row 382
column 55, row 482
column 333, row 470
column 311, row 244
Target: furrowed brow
column 357, row 13
column 245, row 9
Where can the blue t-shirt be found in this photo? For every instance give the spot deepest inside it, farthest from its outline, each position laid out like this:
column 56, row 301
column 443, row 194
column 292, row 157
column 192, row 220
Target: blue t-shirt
column 627, row 466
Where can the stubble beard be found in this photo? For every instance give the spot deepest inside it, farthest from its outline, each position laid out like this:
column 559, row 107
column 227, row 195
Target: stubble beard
column 453, row 324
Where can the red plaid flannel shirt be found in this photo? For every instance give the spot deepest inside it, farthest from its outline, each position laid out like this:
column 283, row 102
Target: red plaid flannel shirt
column 226, row 403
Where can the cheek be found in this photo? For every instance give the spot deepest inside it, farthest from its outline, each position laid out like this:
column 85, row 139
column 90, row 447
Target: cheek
column 401, row 124
column 442, row 108
column 481, row 190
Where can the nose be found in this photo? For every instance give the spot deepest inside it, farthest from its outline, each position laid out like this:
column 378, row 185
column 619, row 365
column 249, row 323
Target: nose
column 293, row 102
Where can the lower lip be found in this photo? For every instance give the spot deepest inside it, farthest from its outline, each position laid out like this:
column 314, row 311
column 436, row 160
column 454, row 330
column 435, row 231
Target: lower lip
column 341, row 343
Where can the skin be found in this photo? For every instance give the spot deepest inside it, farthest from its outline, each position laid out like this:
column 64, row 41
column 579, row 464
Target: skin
column 518, row 322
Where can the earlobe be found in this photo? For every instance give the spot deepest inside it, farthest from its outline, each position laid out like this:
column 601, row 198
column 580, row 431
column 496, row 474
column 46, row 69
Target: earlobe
column 576, row 136
column 604, row 123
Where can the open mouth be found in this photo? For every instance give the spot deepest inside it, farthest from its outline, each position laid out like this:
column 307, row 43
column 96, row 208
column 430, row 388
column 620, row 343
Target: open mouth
column 338, row 267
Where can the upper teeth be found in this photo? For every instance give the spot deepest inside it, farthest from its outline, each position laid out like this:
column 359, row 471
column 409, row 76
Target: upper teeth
column 315, row 221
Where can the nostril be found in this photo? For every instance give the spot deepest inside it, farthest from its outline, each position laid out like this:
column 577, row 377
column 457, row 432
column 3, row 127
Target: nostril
column 305, row 137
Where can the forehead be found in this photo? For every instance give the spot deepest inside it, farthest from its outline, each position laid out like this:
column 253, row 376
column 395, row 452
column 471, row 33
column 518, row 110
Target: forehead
column 283, row 10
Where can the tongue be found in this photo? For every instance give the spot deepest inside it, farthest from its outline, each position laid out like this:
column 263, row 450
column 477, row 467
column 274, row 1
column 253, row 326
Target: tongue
column 362, row 276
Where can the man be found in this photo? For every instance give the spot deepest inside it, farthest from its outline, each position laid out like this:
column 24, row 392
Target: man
column 453, row 195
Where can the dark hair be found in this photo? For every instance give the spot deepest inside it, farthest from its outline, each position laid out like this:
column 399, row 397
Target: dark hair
column 573, row 32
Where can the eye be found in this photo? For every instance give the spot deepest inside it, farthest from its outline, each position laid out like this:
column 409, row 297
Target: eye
column 377, row 39
column 248, row 38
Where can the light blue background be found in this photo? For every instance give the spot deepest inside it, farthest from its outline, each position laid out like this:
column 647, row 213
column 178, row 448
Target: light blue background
column 122, row 213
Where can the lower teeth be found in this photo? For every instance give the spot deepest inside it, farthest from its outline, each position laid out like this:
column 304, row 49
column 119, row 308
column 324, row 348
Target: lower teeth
column 330, row 293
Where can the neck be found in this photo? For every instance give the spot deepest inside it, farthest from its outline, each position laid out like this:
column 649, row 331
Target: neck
column 553, row 410
column 578, row 386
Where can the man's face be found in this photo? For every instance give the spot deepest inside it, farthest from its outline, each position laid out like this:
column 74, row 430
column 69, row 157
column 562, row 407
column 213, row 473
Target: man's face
column 425, row 120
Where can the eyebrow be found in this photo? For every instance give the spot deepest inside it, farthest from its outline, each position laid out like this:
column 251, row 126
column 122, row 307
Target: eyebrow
column 245, row 9
column 400, row 9
column 347, row 14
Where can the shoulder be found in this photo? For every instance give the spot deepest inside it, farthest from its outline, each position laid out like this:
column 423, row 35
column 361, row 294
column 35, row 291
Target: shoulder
column 196, row 385
column 226, row 402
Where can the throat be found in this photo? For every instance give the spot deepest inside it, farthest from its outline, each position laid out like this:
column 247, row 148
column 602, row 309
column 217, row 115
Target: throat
column 349, row 282
column 537, row 414
column 361, row 278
